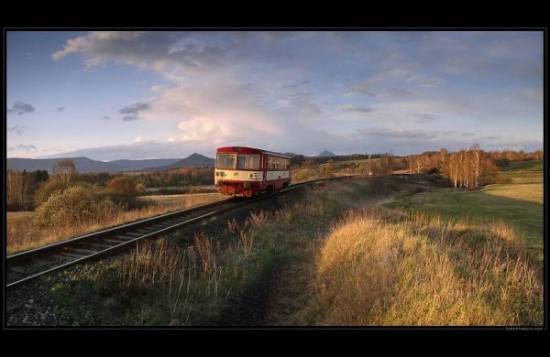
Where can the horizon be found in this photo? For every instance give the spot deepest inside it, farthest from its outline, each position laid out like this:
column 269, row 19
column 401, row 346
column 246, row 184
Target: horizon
column 213, row 158
column 131, row 95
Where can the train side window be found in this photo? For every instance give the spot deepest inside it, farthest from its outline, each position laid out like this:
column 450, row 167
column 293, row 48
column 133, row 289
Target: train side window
column 271, row 164
column 248, row 162
column 277, row 163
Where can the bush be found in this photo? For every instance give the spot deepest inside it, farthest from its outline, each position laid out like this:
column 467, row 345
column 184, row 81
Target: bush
column 46, row 189
column 123, row 185
column 76, row 205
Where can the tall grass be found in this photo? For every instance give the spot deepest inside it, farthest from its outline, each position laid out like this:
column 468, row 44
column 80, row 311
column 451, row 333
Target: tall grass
column 378, row 269
column 162, row 282
column 340, row 260
column 30, row 232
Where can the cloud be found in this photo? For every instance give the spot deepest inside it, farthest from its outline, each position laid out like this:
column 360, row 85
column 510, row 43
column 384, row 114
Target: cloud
column 213, row 114
column 301, row 103
column 60, row 109
column 172, row 53
column 401, row 134
column 357, row 109
column 424, row 117
column 398, row 93
column 365, row 87
column 18, row 129
column 286, row 89
column 141, row 150
column 297, row 84
column 22, row 147
column 106, row 117
column 132, row 111
column 21, row 108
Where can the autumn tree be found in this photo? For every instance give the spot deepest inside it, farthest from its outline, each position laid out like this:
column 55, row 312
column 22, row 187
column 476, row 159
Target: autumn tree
column 15, row 189
column 65, row 169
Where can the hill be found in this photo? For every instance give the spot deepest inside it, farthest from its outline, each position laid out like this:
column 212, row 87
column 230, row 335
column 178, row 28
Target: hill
column 326, row 153
column 193, row 160
column 85, row 165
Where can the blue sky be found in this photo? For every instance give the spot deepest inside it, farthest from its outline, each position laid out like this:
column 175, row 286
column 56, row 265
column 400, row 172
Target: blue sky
column 134, row 95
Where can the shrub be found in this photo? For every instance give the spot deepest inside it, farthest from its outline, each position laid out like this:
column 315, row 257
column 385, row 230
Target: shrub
column 76, row 205
column 123, row 185
column 46, row 189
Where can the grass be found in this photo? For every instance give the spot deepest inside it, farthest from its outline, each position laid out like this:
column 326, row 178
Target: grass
column 196, row 278
column 23, row 232
column 523, row 172
column 339, row 257
column 382, row 269
column 519, row 204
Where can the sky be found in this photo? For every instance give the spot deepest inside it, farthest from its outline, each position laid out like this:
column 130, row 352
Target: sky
column 111, row 95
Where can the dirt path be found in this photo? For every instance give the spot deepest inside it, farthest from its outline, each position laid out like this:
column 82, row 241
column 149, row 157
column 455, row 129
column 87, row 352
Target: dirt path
column 279, row 297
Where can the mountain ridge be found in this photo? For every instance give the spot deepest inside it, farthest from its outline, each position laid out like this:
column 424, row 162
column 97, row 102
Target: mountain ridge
column 87, row 165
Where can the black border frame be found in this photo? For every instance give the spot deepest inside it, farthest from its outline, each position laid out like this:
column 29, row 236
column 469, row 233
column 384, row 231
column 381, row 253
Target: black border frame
column 543, row 28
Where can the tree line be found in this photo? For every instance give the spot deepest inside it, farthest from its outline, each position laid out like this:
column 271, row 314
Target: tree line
column 467, row 168
column 27, row 190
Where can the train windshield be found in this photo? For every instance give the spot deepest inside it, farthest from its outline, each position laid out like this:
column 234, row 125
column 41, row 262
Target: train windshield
column 226, row 161
column 248, row 162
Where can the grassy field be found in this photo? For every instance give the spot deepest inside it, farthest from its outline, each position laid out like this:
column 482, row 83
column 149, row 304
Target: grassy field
column 25, row 233
column 338, row 257
column 519, row 203
column 523, row 172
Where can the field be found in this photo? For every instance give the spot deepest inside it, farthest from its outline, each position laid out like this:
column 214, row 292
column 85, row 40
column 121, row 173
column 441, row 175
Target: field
column 378, row 251
column 24, row 233
column 519, row 203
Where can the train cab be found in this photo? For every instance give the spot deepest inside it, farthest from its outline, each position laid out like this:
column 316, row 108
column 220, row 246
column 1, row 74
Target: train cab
column 248, row 172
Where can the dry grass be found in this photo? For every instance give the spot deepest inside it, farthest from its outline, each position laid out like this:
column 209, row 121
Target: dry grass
column 25, row 233
column 341, row 260
column 530, row 192
column 173, row 284
column 184, row 200
column 375, row 269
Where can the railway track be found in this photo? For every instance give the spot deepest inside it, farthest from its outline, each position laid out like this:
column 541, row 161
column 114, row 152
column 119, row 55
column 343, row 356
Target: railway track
column 28, row 265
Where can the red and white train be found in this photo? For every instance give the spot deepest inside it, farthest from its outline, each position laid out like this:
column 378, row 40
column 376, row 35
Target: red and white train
column 247, row 172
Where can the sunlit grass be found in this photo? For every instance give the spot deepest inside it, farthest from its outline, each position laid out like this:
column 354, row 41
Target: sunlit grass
column 24, row 232
column 520, row 205
column 341, row 260
column 420, row 270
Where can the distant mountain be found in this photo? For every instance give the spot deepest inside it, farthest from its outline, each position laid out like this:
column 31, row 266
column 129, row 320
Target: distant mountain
column 326, row 154
column 133, row 165
column 85, row 165
column 193, row 160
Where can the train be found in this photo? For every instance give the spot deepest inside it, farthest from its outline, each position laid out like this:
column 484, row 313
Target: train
column 248, row 172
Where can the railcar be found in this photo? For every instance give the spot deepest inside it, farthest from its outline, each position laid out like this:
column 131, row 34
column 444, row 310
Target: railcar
column 247, row 172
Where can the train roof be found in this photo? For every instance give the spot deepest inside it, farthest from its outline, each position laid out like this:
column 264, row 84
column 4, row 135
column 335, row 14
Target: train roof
column 249, row 150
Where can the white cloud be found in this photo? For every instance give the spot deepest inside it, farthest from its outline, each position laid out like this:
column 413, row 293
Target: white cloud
column 276, row 90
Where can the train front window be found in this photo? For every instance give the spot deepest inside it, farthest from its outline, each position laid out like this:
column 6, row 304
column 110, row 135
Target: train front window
column 225, row 161
column 248, row 162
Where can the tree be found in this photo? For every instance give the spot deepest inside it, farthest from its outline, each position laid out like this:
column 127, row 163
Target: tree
column 16, row 187
column 65, row 169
